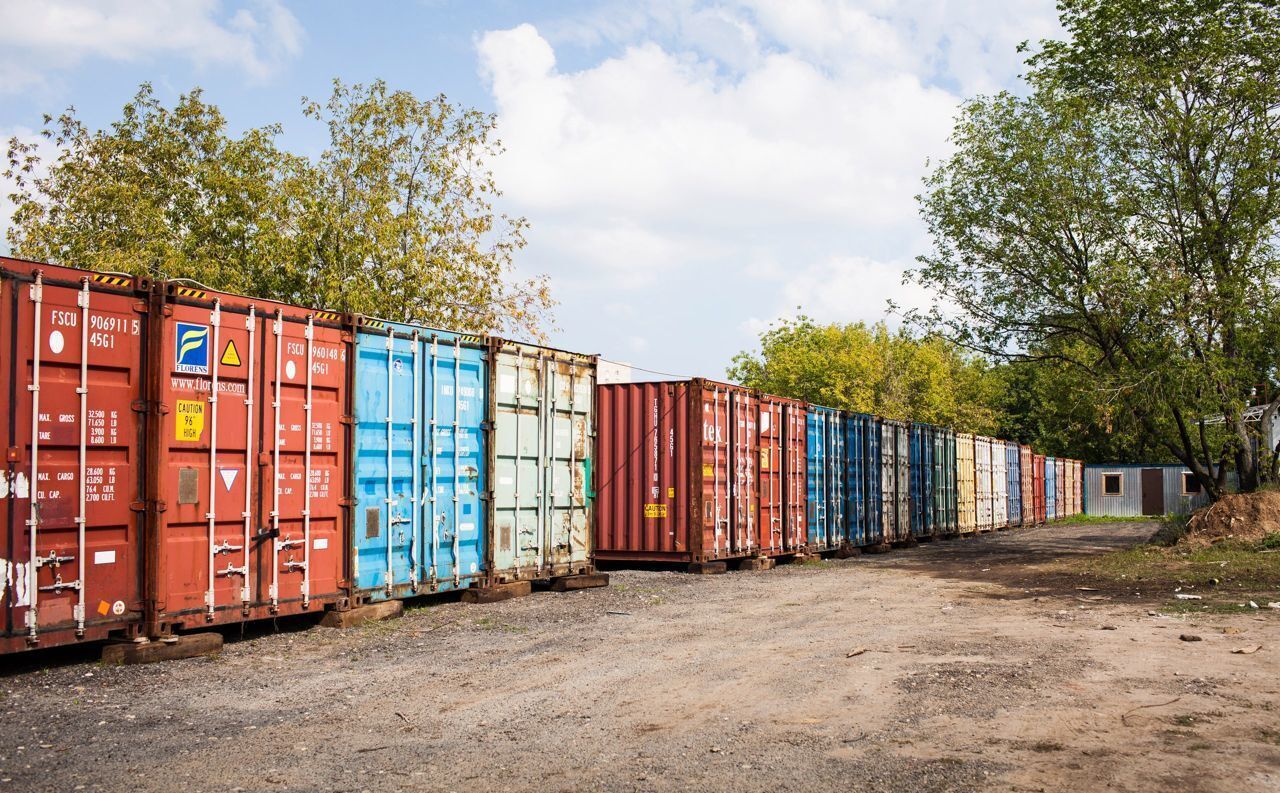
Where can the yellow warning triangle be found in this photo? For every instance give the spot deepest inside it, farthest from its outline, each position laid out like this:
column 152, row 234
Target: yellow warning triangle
column 230, row 356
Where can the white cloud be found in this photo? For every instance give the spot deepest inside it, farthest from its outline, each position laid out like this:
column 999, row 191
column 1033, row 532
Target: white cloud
column 38, row 39
column 729, row 161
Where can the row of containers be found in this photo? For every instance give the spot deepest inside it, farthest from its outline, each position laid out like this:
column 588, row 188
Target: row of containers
column 699, row 471
column 178, row 457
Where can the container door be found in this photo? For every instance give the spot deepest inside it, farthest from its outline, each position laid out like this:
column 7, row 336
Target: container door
column 73, row 380
column 853, row 474
column 902, row 464
column 888, row 483
column 1153, row 491
column 388, row 377
column 717, row 478
column 772, row 480
column 452, row 533
column 815, row 427
column 543, row 420
column 744, row 444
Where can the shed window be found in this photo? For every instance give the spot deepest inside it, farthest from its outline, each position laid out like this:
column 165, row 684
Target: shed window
column 1190, row 485
column 1112, row 485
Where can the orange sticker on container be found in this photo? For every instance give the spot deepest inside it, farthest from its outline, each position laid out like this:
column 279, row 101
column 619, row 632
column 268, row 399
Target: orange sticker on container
column 708, row 472
column 104, row 608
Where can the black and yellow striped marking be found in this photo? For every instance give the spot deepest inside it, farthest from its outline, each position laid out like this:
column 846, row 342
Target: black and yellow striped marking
column 186, row 291
column 326, row 316
column 112, row 280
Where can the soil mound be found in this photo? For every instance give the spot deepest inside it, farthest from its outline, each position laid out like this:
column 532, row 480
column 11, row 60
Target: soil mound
column 1245, row 517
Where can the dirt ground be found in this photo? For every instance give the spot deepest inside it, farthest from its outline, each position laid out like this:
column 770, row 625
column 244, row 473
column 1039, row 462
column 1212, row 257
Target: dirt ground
column 979, row 673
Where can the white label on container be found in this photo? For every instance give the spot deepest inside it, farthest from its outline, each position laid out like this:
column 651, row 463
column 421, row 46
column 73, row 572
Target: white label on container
column 466, row 528
column 104, row 557
column 507, row 383
column 56, row 342
column 320, row 543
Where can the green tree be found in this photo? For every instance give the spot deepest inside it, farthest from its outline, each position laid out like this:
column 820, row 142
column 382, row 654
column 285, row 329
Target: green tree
column 394, row 218
column 1121, row 220
column 871, row 369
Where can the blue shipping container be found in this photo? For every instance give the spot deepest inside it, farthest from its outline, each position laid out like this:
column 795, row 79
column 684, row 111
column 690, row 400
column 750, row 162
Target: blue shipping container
column 1013, row 463
column 827, row 478
column 922, row 454
column 868, row 429
column 1050, row 488
column 420, row 409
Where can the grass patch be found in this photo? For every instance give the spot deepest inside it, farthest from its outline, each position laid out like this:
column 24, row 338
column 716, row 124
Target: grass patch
column 1201, row 607
column 1225, row 567
column 1091, row 519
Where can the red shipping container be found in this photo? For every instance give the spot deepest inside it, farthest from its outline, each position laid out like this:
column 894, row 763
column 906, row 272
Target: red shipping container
column 73, row 390
column 783, row 475
column 1038, row 487
column 250, row 455
column 1026, row 470
column 677, row 472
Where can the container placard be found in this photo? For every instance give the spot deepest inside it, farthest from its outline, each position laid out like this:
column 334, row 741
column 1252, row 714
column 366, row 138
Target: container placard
column 190, row 423
column 655, row 510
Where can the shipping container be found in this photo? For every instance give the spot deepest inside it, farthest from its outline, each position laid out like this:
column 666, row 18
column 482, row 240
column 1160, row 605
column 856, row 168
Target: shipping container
column 783, row 468
column 1061, row 503
column 966, row 478
column 1039, row 487
column 1069, row 487
column 862, row 450
column 249, row 451
column 895, row 483
column 1026, row 467
column 418, row 474
column 826, row 477
column 944, row 479
column 542, row 412
column 1050, row 488
column 1079, row 487
column 1013, row 469
column 73, row 385
column 999, row 485
column 983, row 494
column 676, row 475
column 922, row 456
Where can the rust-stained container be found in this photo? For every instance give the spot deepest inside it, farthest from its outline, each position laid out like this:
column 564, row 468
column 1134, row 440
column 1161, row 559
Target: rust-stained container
column 895, row 480
column 966, row 469
column 1038, row 471
column 782, row 486
column 73, row 389
column 1026, row 468
column 1079, row 494
column 677, row 476
column 542, row 404
column 250, row 449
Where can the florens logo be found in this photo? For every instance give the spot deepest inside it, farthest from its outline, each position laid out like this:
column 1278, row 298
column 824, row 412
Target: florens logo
column 191, row 355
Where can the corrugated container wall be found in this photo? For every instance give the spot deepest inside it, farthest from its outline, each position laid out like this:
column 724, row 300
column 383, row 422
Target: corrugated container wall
column 1038, row 486
column 922, row 454
column 677, row 476
column 1171, row 495
column 828, row 477
column 418, row 474
column 1013, row 470
column 1050, row 488
column 543, row 421
column 73, row 386
column 983, row 494
column 1061, row 484
column 1026, row 468
column 999, row 485
column 895, row 456
column 1079, row 487
column 862, row 448
column 966, row 476
column 250, row 454
column 944, row 478
column 783, row 467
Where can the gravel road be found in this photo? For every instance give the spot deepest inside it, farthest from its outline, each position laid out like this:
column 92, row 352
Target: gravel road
column 958, row 665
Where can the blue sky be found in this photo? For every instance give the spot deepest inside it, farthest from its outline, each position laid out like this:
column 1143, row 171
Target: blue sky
column 692, row 170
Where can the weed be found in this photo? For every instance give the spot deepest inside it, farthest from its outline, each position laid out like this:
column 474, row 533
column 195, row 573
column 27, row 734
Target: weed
column 1047, row 746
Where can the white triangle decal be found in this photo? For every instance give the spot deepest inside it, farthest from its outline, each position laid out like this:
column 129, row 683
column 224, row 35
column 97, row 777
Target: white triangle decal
column 228, row 476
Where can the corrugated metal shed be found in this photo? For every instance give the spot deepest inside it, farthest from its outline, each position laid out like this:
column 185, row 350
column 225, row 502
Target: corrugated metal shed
column 1101, row 483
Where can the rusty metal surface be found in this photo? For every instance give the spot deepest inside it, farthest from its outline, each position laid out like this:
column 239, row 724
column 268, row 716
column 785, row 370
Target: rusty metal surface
column 782, row 474
column 253, row 405
column 72, row 385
